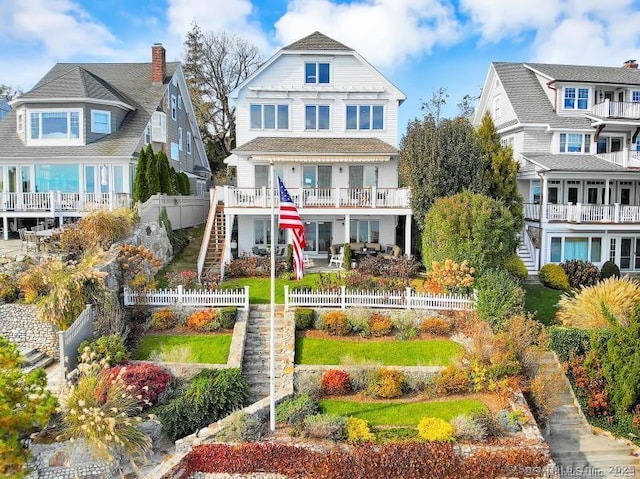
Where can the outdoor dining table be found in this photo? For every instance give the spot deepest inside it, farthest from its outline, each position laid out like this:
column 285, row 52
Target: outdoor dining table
column 46, row 236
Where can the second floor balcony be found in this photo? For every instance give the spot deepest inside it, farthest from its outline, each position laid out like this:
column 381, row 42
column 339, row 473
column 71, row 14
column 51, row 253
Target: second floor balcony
column 368, row 197
column 617, row 109
column 583, row 213
column 56, row 201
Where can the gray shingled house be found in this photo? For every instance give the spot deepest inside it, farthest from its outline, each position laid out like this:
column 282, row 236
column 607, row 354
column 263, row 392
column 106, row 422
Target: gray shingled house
column 70, row 145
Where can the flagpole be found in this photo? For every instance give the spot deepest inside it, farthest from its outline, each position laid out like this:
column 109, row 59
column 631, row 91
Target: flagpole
column 272, row 338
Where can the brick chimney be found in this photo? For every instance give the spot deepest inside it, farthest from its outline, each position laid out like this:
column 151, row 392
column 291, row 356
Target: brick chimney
column 158, row 64
column 631, row 64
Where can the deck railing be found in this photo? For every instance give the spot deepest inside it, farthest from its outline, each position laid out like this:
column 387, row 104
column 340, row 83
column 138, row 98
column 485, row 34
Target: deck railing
column 581, row 213
column 58, row 201
column 188, row 297
column 617, row 109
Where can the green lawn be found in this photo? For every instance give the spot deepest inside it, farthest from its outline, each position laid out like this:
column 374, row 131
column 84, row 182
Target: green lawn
column 259, row 288
column 394, row 413
column 542, row 301
column 431, row 352
column 210, row 349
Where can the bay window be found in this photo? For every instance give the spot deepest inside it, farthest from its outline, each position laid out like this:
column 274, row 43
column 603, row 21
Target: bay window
column 54, row 125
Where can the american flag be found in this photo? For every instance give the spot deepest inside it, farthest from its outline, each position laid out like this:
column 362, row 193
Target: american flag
column 290, row 219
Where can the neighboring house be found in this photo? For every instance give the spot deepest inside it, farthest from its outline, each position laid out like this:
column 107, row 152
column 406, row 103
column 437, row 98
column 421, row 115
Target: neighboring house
column 70, row 145
column 327, row 120
column 4, row 106
column 575, row 132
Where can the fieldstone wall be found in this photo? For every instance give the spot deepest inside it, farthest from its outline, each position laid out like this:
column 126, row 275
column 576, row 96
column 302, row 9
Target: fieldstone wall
column 68, row 460
column 20, row 324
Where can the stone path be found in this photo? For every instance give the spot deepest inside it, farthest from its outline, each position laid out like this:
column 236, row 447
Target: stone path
column 577, row 451
column 255, row 363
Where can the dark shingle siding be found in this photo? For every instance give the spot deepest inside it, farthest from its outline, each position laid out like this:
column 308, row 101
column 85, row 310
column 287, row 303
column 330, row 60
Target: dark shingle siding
column 317, row 41
column 588, row 74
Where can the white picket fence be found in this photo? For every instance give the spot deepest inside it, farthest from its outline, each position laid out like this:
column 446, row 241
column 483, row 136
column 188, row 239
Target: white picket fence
column 407, row 299
column 187, row 297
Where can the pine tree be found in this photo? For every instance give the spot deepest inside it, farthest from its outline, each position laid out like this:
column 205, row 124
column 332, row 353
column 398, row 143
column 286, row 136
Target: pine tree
column 164, row 173
column 140, row 191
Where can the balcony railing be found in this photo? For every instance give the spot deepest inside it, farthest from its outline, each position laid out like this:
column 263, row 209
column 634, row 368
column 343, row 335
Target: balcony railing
column 56, row 201
column 623, row 158
column 321, row 197
column 617, row 109
column 579, row 213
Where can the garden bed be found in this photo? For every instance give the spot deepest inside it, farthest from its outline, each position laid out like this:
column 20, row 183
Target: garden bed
column 212, row 348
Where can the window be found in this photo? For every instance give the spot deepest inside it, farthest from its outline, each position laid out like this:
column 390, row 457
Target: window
column 575, row 143
column 571, row 102
column 365, row 231
column 58, row 177
column 316, row 176
column 316, row 72
column 54, row 125
column 100, row 121
column 535, row 192
column 363, row 176
column 189, row 142
column 496, row 108
column 174, row 113
column 365, row 117
column 262, row 233
column 317, row 117
column 180, row 101
column 20, row 122
column 586, row 249
column 147, row 133
column 159, row 127
column 262, row 176
column 635, row 96
column 180, row 138
column 269, row 117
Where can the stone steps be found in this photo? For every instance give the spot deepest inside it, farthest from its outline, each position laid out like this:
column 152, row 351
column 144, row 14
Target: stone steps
column 34, row 359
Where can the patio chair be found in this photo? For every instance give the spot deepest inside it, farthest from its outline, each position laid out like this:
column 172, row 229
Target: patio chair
column 306, row 261
column 21, row 232
column 31, row 240
column 336, row 260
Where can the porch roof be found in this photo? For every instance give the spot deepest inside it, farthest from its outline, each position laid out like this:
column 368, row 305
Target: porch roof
column 317, row 146
column 573, row 163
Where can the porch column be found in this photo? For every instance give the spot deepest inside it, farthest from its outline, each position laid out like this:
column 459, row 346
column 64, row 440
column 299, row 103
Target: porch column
column 347, row 228
column 545, row 195
column 606, row 191
column 407, row 235
column 228, row 219
column 5, row 228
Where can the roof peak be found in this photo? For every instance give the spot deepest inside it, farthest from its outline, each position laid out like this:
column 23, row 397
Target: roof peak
column 317, row 41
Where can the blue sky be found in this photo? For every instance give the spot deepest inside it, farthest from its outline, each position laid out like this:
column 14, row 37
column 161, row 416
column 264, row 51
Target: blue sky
column 420, row 45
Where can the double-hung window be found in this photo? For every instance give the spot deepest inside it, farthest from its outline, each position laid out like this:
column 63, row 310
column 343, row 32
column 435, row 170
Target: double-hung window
column 269, row 117
column 576, row 98
column 316, row 72
column 316, row 117
column 174, row 112
column 365, row 117
column 180, row 145
column 189, row 142
column 100, row 121
column 575, row 143
column 635, row 96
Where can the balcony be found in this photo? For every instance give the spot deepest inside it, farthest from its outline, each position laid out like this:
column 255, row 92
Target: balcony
column 579, row 213
column 56, row 201
column 625, row 158
column 320, row 197
column 617, row 109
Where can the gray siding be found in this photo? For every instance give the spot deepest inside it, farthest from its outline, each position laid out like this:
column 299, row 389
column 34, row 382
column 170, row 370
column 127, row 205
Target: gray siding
column 537, row 141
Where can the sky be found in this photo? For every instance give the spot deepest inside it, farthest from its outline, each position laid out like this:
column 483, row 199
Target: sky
column 420, row 45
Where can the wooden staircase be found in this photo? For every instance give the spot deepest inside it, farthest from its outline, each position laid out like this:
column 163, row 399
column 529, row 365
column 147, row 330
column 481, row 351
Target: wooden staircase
column 215, row 248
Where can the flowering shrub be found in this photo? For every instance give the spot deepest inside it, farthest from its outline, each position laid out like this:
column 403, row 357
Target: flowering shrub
column 389, row 383
column 380, row 324
column 358, row 431
column 203, row 320
column 138, row 265
column 435, row 326
column 145, row 382
column 336, row 323
column 449, row 277
column 162, row 319
column 186, row 278
column 335, row 381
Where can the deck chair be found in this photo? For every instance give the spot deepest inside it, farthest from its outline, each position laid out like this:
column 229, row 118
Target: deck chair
column 336, row 260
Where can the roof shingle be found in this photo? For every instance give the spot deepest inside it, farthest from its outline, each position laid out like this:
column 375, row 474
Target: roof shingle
column 331, row 146
column 317, row 41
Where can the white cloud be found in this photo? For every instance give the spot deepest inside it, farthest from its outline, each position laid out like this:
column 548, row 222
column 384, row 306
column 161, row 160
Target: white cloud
column 385, row 32
column 62, row 27
column 232, row 16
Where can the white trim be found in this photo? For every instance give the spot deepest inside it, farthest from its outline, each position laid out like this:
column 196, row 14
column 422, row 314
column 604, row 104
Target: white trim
column 30, row 101
column 179, row 101
column 101, row 112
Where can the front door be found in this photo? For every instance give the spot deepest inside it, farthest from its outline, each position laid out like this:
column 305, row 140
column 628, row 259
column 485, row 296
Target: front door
column 630, row 254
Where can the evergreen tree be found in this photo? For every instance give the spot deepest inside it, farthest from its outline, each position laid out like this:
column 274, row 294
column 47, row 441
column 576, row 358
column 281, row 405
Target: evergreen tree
column 175, row 181
column 140, row 191
column 151, row 174
column 185, row 185
column 164, row 173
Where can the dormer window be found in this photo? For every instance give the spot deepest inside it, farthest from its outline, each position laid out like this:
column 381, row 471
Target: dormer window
column 100, row 121
column 316, row 72
column 55, row 127
column 576, row 98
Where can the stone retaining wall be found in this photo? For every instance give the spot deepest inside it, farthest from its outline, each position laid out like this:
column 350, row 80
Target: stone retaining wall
column 20, row 324
column 69, row 460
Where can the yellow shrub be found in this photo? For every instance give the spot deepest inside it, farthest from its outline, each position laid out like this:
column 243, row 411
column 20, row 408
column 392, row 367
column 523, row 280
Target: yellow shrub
column 203, row 320
column 380, row 325
column 336, row 323
column 358, row 431
column 435, row 429
column 32, row 284
column 163, row 319
column 593, row 306
column 389, row 383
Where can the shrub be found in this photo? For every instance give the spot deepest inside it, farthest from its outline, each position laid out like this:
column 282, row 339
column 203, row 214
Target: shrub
column 435, row 326
column 436, row 429
column 228, row 316
column 162, row 319
column 364, row 378
column 310, row 385
column 325, row 426
column 516, row 267
column 244, row 427
column 510, row 421
column 9, row 291
column 209, row 396
column 581, row 273
column 358, row 320
column 402, row 269
column 553, row 276
column 185, row 278
column 467, row 428
column 569, row 341
column 358, row 431
column 389, row 383
column 335, row 382
column 108, row 227
column 545, row 389
column 145, row 382
column 452, row 380
column 405, row 326
column 450, row 277
column 486, row 420
column 499, row 297
column 247, row 266
column 107, row 351
column 203, row 320
column 609, row 269
column 32, row 283
column 335, row 323
column 304, row 318
column 138, row 265
column 293, row 410
column 380, row 325
column 608, row 302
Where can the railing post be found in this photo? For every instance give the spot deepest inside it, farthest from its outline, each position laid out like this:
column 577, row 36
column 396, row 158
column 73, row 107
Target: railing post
column 286, row 297
column 579, row 212
column 180, row 294
column 616, row 212
column 408, row 297
column 343, row 297
column 374, row 196
column 246, row 298
column 337, row 192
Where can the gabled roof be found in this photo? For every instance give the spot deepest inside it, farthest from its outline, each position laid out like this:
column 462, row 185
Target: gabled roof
column 319, row 146
column 130, row 81
column 565, row 162
column 317, row 41
column 587, row 74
